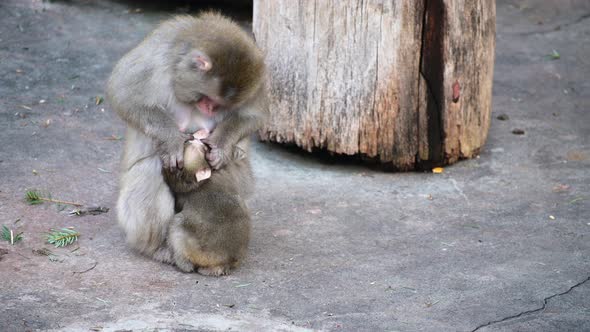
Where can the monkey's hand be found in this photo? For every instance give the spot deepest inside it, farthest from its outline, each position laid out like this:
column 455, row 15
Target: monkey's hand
column 216, row 156
column 171, row 151
column 201, row 134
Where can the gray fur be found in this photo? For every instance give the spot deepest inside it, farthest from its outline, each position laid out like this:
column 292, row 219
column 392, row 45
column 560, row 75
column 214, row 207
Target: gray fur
column 148, row 88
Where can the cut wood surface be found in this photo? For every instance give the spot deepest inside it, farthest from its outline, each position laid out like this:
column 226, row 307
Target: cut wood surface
column 405, row 82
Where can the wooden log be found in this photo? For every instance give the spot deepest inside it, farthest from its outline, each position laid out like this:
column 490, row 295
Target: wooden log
column 405, row 82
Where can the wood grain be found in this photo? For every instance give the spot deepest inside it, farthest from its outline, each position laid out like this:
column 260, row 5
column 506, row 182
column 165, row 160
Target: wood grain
column 377, row 78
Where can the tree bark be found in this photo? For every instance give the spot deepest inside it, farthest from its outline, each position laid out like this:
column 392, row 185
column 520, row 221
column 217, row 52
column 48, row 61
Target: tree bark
column 406, row 82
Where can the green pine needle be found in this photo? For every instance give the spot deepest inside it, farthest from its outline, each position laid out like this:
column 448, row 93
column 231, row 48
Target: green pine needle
column 33, row 197
column 63, row 237
column 10, row 236
column 554, row 55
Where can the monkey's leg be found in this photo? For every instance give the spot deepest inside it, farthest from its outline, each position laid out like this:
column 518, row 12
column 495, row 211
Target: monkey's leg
column 145, row 206
column 190, row 249
column 177, row 240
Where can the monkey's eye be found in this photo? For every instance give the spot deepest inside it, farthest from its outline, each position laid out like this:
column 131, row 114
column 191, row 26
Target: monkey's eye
column 231, row 92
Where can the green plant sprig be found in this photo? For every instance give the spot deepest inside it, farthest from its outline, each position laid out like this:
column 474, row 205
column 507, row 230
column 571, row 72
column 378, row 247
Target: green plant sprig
column 63, row 237
column 34, row 197
column 8, row 235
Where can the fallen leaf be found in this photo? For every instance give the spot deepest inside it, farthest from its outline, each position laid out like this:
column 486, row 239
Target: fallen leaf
column 518, row 131
column 98, row 100
column 42, row 252
column 575, row 155
column 503, row 117
column 113, row 138
column 438, row 170
column 561, row 188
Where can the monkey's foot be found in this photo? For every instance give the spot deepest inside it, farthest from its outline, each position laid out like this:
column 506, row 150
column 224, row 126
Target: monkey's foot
column 215, row 157
column 203, row 174
column 184, row 265
column 163, row 255
column 214, row 271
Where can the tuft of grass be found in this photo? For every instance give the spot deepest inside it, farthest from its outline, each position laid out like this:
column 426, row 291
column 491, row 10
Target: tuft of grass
column 63, row 237
column 554, row 55
column 9, row 235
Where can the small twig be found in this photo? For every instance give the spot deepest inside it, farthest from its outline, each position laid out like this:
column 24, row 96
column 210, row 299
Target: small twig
column 93, row 266
column 60, row 201
column 22, row 255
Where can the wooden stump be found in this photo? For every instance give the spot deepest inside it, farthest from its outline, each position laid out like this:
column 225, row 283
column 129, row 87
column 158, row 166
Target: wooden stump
column 405, row 82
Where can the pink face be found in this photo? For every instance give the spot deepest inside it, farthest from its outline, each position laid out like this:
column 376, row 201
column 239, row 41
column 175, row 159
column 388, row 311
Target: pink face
column 207, row 106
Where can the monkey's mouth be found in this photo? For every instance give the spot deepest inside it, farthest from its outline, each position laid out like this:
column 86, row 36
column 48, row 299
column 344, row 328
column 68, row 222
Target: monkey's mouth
column 207, row 105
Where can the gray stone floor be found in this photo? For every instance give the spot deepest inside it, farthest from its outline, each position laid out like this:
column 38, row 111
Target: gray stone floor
column 335, row 247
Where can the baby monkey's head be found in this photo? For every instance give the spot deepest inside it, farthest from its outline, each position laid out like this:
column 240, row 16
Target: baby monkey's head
column 219, row 67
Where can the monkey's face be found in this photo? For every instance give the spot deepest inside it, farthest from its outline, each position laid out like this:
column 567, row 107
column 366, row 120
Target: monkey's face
column 218, row 82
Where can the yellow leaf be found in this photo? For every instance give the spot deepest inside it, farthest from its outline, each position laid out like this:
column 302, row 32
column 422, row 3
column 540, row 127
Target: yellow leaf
column 438, row 170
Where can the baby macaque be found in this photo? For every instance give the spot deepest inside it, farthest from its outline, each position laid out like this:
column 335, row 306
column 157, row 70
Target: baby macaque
column 210, row 233
column 194, row 156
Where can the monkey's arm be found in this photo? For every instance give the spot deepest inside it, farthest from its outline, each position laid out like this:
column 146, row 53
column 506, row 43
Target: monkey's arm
column 237, row 126
column 155, row 123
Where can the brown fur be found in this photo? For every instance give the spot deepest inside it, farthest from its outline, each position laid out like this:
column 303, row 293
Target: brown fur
column 211, row 230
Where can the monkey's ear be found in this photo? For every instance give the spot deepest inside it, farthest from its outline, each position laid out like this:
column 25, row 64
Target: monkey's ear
column 201, row 61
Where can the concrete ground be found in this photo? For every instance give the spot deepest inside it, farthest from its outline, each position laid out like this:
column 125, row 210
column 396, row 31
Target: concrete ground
column 498, row 243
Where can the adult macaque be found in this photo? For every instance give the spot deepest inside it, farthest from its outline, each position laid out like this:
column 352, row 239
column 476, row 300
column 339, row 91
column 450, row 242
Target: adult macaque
column 203, row 69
